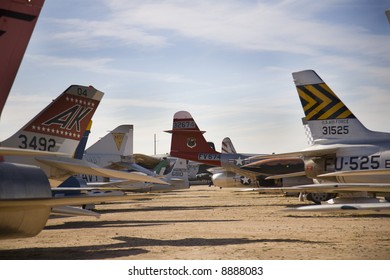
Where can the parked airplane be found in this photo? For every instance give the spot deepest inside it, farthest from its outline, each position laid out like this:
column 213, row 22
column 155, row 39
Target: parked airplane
column 346, row 158
column 25, row 193
column 187, row 142
column 115, row 151
column 58, row 129
column 227, row 179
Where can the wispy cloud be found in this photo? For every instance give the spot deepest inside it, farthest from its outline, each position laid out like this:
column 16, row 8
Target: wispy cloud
column 227, row 62
column 247, row 25
column 105, row 66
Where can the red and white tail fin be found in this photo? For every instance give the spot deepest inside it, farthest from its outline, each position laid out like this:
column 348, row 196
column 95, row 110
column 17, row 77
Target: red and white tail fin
column 60, row 126
column 188, row 142
column 17, row 22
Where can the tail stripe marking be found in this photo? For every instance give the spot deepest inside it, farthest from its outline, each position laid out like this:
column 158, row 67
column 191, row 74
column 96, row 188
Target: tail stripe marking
column 320, row 103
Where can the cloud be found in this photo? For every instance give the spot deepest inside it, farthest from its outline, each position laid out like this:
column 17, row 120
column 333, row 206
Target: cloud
column 105, row 66
column 249, row 25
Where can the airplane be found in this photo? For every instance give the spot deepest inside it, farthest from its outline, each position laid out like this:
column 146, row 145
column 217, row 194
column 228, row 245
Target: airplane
column 226, row 179
column 188, row 142
column 55, row 133
column 115, row 151
column 345, row 158
column 25, row 192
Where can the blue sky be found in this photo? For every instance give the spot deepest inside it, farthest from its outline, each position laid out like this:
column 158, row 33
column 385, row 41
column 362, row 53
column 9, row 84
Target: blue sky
column 228, row 63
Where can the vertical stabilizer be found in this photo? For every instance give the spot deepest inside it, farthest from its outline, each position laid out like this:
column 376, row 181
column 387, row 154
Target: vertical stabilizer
column 61, row 125
column 17, row 22
column 326, row 115
column 175, row 172
column 227, row 146
column 114, row 145
column 188, row 141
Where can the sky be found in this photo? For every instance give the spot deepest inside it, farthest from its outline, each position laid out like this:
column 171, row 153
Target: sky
column 228, row 63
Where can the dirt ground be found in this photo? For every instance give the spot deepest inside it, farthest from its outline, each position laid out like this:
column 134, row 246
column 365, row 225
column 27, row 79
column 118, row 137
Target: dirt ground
column 207, row 223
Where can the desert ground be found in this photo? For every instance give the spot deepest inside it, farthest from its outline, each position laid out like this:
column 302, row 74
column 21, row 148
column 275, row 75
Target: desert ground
column 207, row 223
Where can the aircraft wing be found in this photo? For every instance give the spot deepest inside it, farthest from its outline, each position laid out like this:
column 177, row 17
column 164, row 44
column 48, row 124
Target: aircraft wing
column 287, row 175
column 146, row 161
column 242, row 172
column 332, row 188
column 312, row 152
column 345, row 207
column 64, row 201
column 83, row 167
column 131, row 166
column 370, row 172
column 5, row 151
column 101, row 186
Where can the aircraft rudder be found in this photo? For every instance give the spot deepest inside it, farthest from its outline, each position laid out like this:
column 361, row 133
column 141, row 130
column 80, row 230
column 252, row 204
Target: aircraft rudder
column 227, row 146
column 319, row 102
column 328, row 118
column 60, row 126
column 186, row 135
column 177, row 172
column 117, row 142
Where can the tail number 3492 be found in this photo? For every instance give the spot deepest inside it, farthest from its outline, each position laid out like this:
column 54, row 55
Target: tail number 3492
column 36, row 143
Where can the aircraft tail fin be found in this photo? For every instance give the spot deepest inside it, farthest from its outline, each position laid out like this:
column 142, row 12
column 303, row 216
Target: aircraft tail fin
column 162, row 167
column 18, row 19
column 187, row 139
column 326, row 115
column 61, row 125
column 114, row 145
column 176, row 172
column 227, row 146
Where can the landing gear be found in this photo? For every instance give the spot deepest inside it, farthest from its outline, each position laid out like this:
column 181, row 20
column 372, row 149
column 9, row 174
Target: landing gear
column 317, row 198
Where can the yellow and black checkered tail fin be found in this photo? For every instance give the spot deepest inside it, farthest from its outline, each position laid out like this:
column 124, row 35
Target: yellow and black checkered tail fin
column 326, row 115
column 319, row 102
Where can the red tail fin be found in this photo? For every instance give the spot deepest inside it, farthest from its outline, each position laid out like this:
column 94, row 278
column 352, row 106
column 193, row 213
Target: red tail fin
column 17, row 22
column 188, row 142
column 60, row 126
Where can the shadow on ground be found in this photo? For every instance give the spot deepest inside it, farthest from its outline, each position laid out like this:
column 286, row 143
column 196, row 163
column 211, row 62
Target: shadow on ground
column 127, row 247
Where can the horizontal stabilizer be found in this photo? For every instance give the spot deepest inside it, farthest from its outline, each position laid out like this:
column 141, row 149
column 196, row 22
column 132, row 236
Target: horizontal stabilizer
column 82, row 167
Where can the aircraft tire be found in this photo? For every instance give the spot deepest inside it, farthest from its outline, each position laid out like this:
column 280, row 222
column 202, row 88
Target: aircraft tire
column 317, row 198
